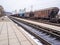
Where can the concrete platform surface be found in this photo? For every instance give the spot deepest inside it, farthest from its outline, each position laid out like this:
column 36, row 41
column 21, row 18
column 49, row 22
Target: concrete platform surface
column 41, row 24
column 10, row 34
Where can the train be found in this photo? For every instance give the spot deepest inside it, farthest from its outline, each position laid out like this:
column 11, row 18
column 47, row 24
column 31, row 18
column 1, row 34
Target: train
column 50, row 14
column 1, row 11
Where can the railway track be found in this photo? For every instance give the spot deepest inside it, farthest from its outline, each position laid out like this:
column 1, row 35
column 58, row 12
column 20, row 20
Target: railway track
column 48, row 22
column 39, row 27
column 45, row 36
column 45, row 21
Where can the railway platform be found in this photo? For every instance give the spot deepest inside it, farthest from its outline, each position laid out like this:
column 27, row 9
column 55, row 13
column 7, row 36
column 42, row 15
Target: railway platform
column 12, row 34
column 41, row 24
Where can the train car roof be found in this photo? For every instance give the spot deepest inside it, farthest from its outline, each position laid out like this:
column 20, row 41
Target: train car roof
column 46, row 9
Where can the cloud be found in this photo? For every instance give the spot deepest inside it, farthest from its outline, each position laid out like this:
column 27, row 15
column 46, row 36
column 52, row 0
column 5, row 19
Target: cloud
column 11, row 5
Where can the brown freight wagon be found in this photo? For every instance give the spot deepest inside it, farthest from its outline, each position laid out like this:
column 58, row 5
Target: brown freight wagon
column 46, row 13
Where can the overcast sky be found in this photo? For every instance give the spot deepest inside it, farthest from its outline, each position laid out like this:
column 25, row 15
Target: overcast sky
column 11, row 5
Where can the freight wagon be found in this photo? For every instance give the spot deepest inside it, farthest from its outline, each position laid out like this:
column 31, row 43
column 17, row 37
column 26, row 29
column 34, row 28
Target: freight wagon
column 49, row 13
column 22, row 13
column 45, row 13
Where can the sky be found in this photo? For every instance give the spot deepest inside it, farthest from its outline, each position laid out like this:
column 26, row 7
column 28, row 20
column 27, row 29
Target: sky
column 12, row 5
